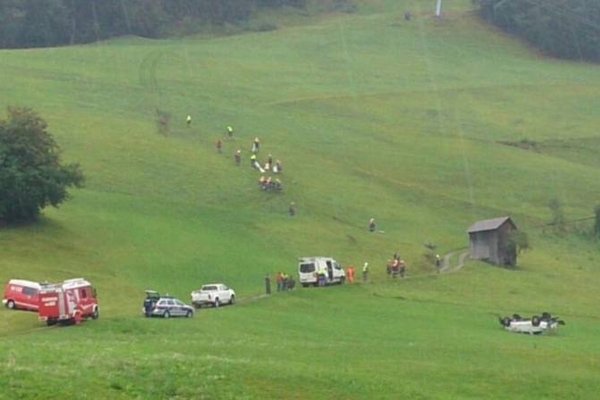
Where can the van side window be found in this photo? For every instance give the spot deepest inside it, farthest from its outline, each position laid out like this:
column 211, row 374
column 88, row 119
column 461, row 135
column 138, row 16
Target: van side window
column 83, row 293
column 29, row 291
column 328, row 264
column 307, row 268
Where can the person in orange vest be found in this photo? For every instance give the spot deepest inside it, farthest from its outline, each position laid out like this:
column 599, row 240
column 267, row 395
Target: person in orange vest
column 350, row 273
column 279, row 279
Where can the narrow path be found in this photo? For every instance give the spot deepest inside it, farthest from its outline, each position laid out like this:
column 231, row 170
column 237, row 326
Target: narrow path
column 446, row 267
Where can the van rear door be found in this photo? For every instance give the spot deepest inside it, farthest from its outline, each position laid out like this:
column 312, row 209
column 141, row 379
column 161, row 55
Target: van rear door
column 307, row 272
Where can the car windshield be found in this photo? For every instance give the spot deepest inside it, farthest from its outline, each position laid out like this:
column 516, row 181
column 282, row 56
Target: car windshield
column 209, row 287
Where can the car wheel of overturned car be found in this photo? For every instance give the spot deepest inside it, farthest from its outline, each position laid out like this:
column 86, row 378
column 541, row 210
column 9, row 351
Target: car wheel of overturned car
column 232, row 300
column 546, row 315
column 217, row 302
column 189, row 314
column 10, row 304
column 535, row 320
column 167, row 314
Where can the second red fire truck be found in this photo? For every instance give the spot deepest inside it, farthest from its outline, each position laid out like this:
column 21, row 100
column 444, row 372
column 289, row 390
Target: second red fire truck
column 69, row 302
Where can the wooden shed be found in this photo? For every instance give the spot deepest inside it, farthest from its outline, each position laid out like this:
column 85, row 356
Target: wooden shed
column 489, row 241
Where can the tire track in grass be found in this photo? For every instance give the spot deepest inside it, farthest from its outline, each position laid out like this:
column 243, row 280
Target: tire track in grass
column 446, row 267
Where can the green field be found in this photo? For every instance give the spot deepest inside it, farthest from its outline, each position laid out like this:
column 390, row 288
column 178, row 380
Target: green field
column 421, row 125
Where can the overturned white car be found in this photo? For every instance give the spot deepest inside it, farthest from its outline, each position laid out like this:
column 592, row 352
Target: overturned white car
column 533, row 326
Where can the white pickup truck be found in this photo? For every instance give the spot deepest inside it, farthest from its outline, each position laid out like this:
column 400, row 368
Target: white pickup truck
column 213, row 294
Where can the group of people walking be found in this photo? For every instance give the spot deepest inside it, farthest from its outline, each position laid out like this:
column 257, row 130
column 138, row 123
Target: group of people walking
column 275, row 166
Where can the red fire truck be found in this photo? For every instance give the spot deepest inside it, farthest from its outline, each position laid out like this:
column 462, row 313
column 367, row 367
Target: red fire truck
column 68, row 302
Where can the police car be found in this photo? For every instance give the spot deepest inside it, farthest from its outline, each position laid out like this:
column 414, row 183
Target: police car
column 167, row 306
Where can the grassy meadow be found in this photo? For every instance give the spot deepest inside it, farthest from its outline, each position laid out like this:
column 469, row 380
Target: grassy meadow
column 425, row 125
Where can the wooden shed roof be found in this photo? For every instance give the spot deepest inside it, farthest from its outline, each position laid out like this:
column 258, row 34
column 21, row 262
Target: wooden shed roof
column 489, row 224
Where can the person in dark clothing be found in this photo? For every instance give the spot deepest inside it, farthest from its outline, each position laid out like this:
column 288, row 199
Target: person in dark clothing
column 148, row 306
column 267, row 284
column 372, row 225
column 290, row 283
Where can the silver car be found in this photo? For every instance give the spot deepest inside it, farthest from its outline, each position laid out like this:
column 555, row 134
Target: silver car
column 168, row 307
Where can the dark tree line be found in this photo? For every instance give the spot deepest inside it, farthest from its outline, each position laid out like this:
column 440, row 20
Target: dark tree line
column 561, row 28
column 41, row 23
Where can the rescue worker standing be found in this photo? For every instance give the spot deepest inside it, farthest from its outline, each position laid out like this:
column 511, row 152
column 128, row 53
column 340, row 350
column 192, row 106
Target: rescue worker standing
column 284, row 281
column 365, row 272
column 322, row 276
column 350, row 274
column 395, row 267
column 279, row 279
column 237, row 157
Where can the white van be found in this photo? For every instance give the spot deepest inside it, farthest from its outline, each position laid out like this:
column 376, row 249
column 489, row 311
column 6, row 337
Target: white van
column 309, row 266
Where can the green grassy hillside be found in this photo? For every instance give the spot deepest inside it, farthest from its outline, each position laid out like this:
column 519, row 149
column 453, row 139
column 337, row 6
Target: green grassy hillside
column 427, row 126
